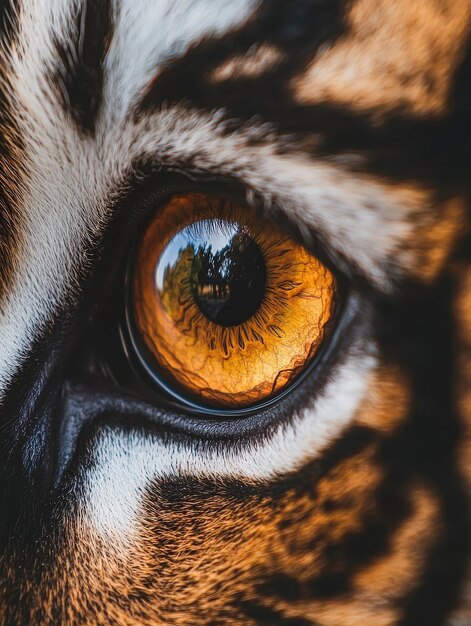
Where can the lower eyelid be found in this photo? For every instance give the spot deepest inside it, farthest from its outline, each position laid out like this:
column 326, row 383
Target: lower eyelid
column 282, row 449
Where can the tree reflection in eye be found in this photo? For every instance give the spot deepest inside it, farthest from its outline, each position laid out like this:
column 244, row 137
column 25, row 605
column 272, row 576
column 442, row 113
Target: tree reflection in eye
column 225, row 269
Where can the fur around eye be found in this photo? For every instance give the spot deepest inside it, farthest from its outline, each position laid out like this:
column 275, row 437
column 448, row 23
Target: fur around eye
column 202, row 422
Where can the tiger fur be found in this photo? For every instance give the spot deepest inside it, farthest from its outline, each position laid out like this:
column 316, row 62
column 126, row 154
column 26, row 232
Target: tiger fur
column 350, row 122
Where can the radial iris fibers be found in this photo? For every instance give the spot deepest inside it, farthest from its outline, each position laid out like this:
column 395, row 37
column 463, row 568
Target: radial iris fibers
column 229, row 309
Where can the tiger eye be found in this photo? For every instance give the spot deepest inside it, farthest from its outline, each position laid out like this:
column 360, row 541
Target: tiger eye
column 228, row 308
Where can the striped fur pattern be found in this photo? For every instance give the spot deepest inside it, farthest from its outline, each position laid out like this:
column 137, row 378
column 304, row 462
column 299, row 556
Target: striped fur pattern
column 348, row 121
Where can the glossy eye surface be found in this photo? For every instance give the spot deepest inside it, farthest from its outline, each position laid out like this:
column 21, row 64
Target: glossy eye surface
column 227, row 309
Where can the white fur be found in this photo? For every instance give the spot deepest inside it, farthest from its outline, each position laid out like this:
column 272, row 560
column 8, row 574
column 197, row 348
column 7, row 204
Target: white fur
column 148, row 34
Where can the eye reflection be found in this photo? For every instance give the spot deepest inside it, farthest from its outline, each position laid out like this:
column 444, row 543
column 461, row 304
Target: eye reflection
column 225, row 269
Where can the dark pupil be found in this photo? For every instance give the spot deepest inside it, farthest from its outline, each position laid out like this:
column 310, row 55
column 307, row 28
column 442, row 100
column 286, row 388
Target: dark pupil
column 228, row 281
column 221, row 264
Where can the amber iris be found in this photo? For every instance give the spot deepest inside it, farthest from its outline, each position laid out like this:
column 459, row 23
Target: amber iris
column 228, row 308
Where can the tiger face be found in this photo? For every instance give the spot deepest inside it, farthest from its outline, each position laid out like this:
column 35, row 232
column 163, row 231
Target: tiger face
column 235, row 300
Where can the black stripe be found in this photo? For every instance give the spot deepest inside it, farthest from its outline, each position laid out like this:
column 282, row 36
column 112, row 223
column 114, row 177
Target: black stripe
column 296, row 28
column 80, row 74
column 402, row 147
column 343, row 558
column 267, row 616
column 8, row 21
column 424, row 343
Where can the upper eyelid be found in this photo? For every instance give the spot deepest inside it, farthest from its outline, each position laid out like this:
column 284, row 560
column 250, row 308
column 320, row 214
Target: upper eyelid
column 234, row 190
column 270, row 208
column 148, row 182
column 358, row 217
